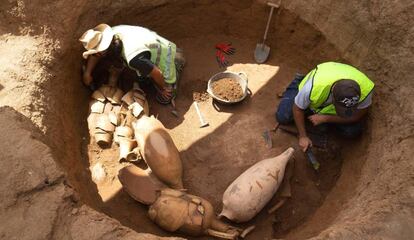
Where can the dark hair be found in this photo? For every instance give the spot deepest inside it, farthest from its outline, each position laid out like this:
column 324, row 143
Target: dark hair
column 114, row 51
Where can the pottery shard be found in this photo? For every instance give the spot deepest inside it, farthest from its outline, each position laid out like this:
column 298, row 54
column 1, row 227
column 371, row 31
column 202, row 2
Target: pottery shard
column 108, row 107
column 92, row 119
column 116, row 97
column 97, row 95
column 96, row 106
column 175, row 210
column 136, row 109
column 126, row 146
column 128, row 98
column 104, row 123
column 124, row 131
column 107, row 91
column 114, row 118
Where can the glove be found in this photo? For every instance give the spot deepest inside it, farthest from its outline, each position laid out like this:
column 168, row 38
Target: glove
column 165, row 96
column 221, row 60
column 226, row 48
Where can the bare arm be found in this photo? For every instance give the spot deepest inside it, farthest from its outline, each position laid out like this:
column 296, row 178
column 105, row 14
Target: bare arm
column 299, row 116
column 158, row 78
column 355, row 118
column 317, row 119
column 90, row 66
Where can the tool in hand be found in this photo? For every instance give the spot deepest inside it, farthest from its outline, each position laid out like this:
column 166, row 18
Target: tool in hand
column 174, row 111
column 261, row 52
column 312, row 159
column 226, row 48
column 317, row 140
column 221, row 59
column 203, row 123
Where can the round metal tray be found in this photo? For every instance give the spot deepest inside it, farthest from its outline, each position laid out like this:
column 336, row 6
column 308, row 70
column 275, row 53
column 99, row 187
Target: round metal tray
column 240, row 77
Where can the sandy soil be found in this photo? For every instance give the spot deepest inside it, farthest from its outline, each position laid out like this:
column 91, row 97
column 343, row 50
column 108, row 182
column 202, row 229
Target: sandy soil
column 227, row 89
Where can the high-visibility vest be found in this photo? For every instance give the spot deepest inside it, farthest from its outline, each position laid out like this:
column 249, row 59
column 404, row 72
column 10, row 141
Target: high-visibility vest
column 324, row 76
column 136, row 40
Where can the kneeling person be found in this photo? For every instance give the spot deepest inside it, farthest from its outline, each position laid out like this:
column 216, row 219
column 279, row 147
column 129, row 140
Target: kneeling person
column 333, row 93
column 141, row 50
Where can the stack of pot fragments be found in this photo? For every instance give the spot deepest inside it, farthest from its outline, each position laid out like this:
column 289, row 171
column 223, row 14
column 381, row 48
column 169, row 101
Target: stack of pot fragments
column 124, row 119
column 111, row 115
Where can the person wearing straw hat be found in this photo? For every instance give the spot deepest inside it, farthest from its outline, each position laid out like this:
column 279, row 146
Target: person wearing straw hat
column 141, row 50
column 332, row 94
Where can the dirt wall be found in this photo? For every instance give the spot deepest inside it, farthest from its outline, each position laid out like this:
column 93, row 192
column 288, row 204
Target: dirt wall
column 375, row 36
column 36, row 200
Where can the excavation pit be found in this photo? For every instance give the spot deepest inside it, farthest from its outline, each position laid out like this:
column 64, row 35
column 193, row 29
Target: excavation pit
column 357, row 174
column 214, row 156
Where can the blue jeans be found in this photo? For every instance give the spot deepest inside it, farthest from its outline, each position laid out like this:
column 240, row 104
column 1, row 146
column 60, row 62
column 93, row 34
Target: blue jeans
column 284, row 112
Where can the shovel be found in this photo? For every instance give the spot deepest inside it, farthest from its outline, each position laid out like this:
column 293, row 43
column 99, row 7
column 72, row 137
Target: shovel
column 261, row 53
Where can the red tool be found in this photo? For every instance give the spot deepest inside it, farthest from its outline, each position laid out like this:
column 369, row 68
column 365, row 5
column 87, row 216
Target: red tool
column 226, row 48
column 221, row 59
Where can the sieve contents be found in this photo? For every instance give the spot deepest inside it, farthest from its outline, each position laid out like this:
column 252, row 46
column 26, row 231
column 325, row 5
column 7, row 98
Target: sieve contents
column 227, row 89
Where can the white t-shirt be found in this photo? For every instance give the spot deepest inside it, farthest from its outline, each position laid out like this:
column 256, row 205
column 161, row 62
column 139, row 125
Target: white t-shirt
column 302, row 99
column 134, row 39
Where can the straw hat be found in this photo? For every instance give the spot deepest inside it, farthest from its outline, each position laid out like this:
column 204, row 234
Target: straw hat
column 97, row 39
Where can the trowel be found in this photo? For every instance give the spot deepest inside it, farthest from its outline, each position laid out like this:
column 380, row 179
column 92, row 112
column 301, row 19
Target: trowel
column 317, row 140
column 312, row 159
column 261, row 52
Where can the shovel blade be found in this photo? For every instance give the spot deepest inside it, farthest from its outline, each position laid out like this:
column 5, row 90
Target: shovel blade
column 261, row 53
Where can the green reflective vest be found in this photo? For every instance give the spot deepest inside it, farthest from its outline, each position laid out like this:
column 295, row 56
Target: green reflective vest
column 136, row 40
column 324, row 76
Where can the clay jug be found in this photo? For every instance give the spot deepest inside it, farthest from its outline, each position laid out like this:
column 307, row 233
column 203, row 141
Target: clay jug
column 178, row 211
column 250, row 192
column 127, row 149
column 159, row 151
column 140, row 184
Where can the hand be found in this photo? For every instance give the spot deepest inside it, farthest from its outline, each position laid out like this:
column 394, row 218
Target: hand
column 317, row 119
column 304, row 143
column 87, row 78
column 166, row 93
column 165, row 96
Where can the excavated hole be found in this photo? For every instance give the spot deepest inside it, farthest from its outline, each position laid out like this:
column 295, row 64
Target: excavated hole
column 213, row 157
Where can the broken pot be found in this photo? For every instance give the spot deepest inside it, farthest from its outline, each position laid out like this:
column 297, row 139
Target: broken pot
column 175, row 210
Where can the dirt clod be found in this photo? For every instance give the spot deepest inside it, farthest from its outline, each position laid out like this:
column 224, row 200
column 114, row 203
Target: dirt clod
column 227, row 89
column 200, row 96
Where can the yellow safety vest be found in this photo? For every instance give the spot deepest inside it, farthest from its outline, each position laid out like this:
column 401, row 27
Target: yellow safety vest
column 324, row 76
column 136, row 40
